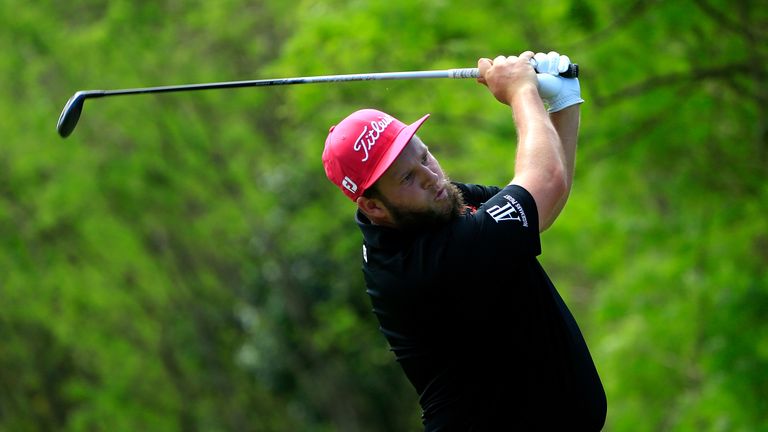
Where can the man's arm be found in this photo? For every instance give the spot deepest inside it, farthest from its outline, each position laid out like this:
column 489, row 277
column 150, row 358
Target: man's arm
column 566, row 123
column 540, row 161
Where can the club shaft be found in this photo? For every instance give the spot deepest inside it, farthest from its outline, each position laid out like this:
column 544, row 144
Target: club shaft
column 448, row 73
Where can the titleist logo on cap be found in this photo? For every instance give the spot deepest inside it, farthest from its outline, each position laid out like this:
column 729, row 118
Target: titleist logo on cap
column 368, row 137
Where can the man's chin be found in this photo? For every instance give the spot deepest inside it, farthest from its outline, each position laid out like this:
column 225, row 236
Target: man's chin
column 449, row 208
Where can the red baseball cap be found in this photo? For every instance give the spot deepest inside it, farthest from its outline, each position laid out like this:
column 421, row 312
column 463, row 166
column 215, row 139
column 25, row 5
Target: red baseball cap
column 360, row 148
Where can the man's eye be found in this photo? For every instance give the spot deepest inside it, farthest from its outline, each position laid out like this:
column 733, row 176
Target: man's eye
column 425, row 159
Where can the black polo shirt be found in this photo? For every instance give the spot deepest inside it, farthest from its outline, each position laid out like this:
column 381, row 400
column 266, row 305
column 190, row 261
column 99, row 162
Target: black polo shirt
column 475, row 322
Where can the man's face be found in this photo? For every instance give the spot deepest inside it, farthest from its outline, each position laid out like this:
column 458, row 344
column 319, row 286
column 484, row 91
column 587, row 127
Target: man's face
column 415, row 191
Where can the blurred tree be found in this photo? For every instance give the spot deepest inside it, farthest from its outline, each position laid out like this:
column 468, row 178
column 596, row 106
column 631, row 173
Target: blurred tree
column 180, row 262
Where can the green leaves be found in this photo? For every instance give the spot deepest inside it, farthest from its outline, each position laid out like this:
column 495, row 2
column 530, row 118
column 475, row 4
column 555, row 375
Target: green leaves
column 181, row 263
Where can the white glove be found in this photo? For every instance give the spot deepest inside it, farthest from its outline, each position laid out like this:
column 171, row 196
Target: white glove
column 551, row 63
column 569, row 94
column 559, row 93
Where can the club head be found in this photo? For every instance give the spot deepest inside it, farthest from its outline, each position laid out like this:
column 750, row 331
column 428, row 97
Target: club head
column 71, row 114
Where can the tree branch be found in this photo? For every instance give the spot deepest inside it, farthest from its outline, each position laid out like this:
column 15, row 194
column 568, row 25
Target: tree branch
column 633, row 12
column 725, row 72
column 726, row 22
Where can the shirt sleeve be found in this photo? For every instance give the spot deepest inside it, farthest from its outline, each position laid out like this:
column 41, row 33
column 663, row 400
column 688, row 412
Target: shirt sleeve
column 507, row 224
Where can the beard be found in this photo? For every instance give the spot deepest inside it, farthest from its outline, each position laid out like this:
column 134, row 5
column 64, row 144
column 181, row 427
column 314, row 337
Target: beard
column 411, row 220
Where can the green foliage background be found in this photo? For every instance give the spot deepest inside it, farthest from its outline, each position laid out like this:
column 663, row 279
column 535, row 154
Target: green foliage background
column 181, row 263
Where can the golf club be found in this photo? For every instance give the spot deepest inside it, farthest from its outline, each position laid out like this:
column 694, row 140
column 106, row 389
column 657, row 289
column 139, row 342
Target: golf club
column 74, row 106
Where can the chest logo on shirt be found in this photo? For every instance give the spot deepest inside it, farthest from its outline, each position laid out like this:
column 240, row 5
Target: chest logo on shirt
column 511, row 211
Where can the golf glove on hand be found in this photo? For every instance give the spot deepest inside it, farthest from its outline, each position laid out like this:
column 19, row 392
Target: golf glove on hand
column 569, row 94
column 551, row 63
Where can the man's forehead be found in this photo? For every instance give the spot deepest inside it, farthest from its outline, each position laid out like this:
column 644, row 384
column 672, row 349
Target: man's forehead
column 414, row 148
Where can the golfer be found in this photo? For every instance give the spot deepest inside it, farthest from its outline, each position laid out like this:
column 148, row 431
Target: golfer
column 451, row 269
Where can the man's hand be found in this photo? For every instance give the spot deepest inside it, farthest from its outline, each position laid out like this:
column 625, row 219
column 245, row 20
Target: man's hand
column 570, row 94
column 506, row 77
column 553, row 63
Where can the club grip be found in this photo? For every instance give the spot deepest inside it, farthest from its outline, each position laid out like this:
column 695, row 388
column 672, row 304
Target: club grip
column 571, row 72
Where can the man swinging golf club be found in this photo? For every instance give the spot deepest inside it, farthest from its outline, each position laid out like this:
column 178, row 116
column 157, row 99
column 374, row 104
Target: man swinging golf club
column 451, row 268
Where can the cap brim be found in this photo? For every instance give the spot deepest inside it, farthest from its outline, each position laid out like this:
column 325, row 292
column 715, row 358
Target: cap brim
column 394, row 151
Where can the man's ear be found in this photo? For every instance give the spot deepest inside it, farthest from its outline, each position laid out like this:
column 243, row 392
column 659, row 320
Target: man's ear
column 374, row 209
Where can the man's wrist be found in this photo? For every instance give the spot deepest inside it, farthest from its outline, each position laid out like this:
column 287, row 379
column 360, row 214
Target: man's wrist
column 522, row 93
column 565, row 111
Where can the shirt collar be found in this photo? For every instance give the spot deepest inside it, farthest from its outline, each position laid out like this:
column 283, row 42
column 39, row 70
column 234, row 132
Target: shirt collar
column 379, row 236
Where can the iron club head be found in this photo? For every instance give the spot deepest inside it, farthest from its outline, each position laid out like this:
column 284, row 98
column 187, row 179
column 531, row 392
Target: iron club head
column 74, row 107
column 70, row 114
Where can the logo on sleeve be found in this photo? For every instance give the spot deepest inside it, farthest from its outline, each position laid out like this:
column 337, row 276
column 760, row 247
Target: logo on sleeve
column 511, row 211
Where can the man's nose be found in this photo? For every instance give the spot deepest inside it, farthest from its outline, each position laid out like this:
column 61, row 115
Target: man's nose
column 428, row 177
